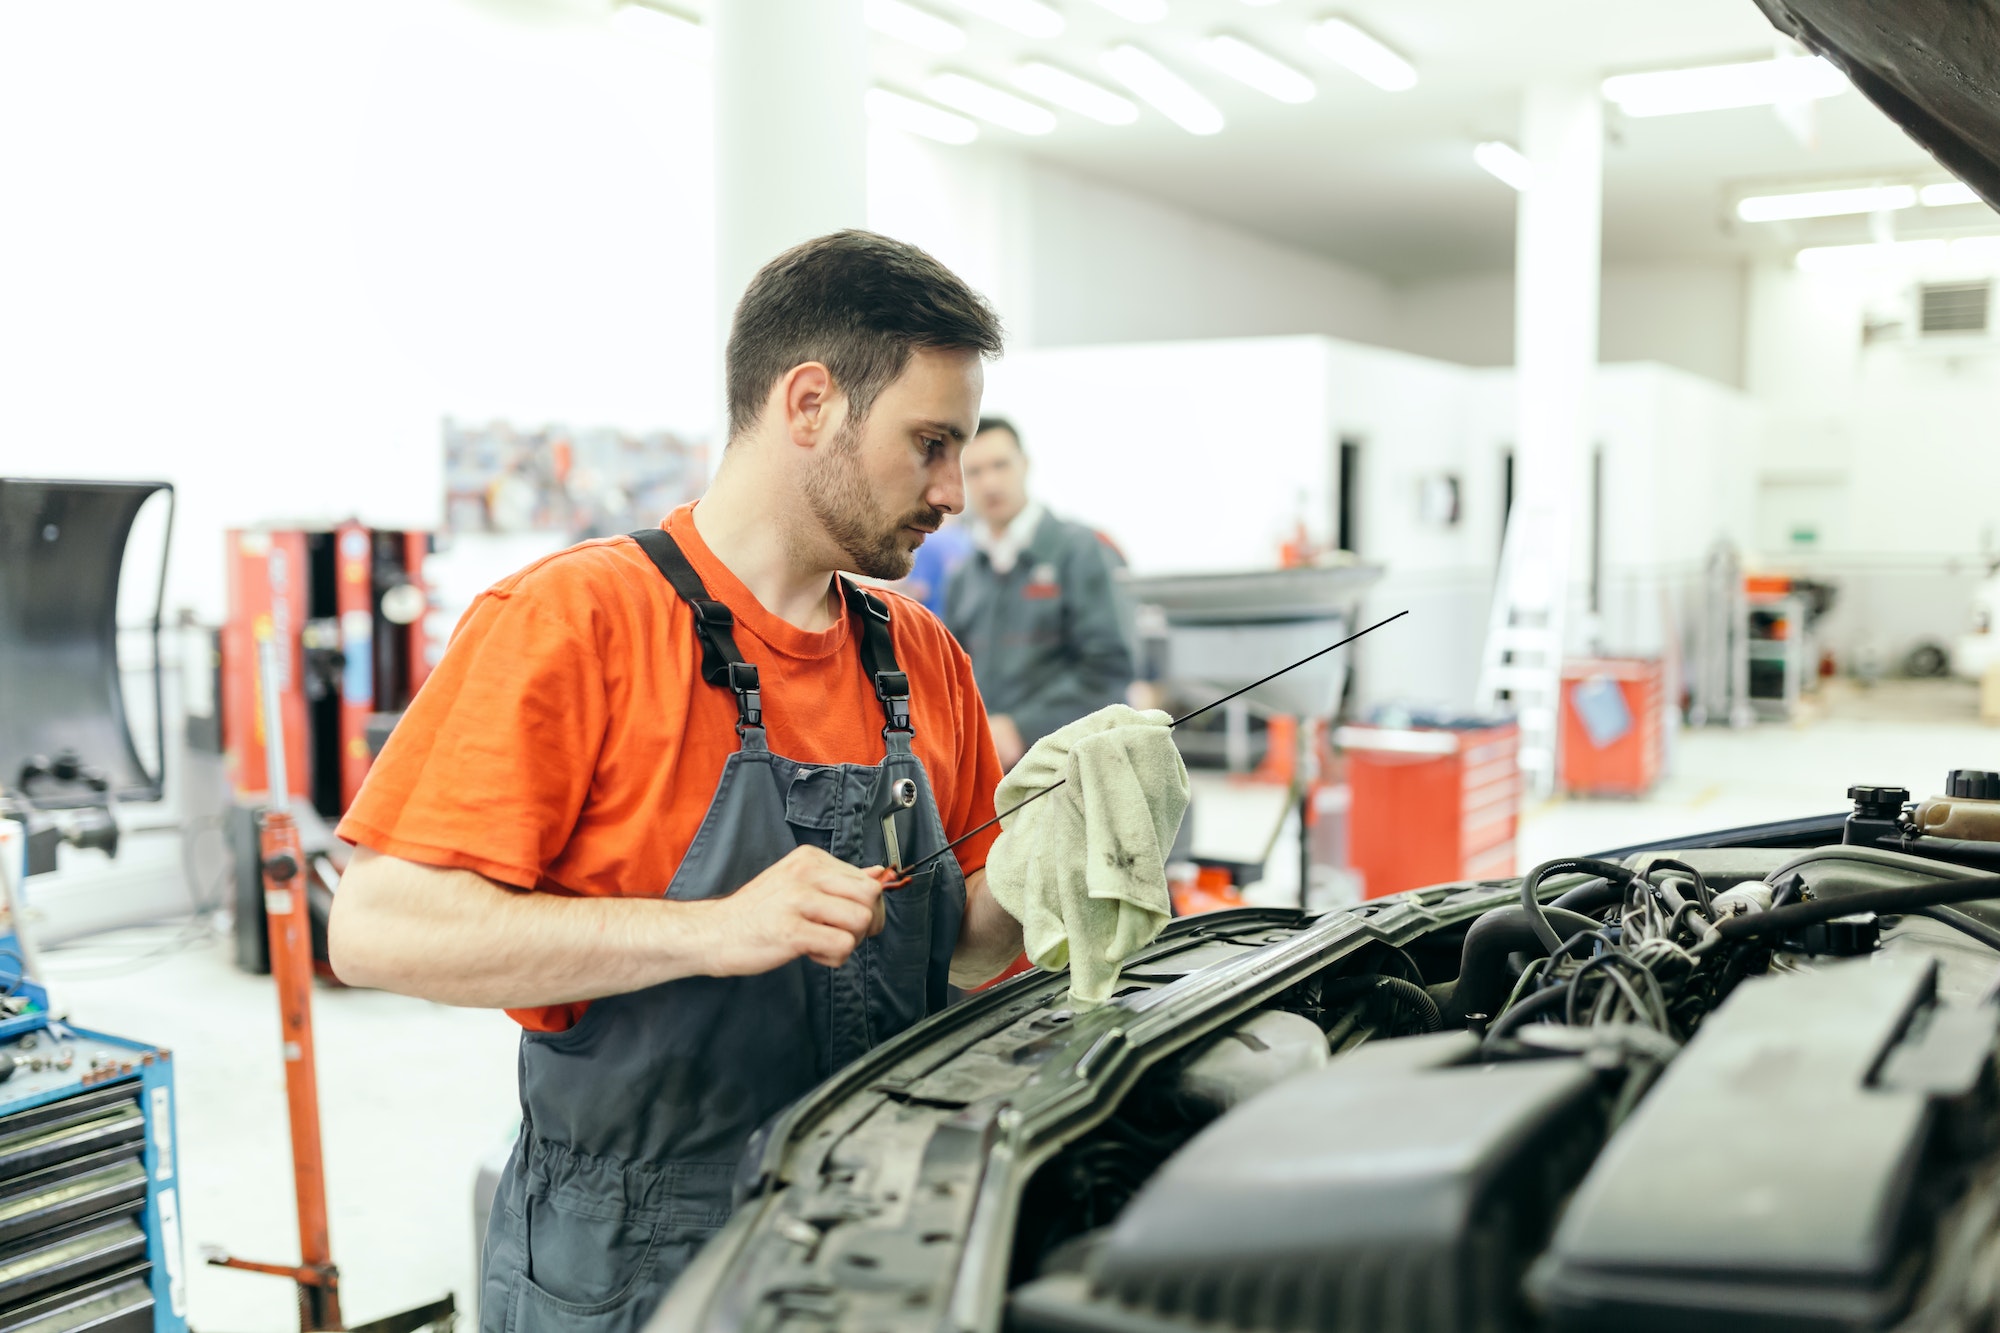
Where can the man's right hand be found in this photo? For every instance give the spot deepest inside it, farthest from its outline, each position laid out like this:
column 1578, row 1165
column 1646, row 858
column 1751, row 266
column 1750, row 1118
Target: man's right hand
column 809, row 905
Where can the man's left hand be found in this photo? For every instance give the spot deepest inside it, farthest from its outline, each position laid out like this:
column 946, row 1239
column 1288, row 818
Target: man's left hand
column 1006, row 739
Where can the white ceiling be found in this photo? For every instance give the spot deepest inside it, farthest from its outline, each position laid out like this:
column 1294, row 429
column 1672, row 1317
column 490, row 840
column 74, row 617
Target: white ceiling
column 1386, row 181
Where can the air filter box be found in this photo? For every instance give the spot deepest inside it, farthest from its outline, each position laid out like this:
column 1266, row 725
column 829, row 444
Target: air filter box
column 1771, row 1179
column 1400, row 1188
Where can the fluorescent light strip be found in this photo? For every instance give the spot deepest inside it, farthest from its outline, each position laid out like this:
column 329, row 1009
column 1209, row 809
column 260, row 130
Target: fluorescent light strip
column 1826, row 203
column 907, row 113
column 684, row 36
column 1162, row 89
column 918, row 27
column 1948, row 194
column 1066, row 90
column 1674, row 92
column 1363, row 54
column 1136, row 11
column 1505, row 161
column 989, row 103
column 1030, row 18
column 1258, row 69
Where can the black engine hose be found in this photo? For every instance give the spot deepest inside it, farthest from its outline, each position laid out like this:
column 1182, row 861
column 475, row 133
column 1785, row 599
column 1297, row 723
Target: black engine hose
column 1701, row 893
column 1594, row 896
column 1483, row 976
column 1532, row 905
column 1796, row 916
column 1527, row 1007
column 1414, row 996
column 1959, row 851
column 1961, row 921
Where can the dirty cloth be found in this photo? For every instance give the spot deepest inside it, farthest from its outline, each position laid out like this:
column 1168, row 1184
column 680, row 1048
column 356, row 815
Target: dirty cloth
column 1084, row 869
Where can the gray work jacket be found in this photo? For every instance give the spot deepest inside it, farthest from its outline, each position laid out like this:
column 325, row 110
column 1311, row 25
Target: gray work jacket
column 1046, row 638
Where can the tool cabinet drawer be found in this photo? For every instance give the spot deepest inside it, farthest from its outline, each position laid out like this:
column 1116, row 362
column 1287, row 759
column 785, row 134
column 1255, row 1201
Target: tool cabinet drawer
column 121, row 1302
column 32, row 1141
column 102, row 1182
column 67, row 1255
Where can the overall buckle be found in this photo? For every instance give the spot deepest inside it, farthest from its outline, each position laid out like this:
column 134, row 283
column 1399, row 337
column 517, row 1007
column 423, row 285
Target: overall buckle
column 749, row 700
column 893, row 689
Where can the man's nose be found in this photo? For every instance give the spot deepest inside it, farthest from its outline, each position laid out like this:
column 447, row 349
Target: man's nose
column 949, row 492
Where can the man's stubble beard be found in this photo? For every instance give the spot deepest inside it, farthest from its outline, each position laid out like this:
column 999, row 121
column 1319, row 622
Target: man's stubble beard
column 846, row 508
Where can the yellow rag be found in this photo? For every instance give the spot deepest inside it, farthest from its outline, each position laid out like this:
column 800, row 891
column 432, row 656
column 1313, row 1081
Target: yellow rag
column 1084, row 870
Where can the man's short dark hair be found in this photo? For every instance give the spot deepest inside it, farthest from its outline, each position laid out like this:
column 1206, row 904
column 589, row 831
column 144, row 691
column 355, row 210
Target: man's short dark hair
column 859, row 304
column 1001, row 423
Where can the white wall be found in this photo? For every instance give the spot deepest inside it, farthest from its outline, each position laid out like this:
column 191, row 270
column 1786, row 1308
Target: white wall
column 262, row 250
column 1887, row 454
column 1688, row 315
column 1200, row 455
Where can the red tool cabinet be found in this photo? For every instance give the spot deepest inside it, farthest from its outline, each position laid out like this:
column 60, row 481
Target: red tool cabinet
column 1611, row 729
column 1430, row 805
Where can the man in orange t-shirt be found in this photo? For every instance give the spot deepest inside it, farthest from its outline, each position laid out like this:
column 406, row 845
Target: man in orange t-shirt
column 641, row 803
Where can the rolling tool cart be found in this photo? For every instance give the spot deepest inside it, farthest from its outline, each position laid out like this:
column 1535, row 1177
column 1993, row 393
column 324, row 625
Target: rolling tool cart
column 90, row 1232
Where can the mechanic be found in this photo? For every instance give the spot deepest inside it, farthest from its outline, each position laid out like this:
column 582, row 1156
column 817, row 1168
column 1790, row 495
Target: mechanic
column 1034, row 603
column 662, row 864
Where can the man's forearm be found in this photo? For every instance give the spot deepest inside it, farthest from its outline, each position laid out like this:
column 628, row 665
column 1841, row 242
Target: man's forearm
column 988, row 939
column 459, row 938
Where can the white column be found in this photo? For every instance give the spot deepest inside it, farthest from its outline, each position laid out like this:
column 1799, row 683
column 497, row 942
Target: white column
column 1556, row 276
column 791, row 141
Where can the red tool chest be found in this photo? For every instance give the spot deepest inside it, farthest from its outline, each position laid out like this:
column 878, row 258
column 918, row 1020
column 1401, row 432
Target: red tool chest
column 1430, row 805
column 1611, row 726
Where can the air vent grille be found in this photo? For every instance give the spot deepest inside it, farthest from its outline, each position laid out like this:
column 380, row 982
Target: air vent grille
column 1955, row 307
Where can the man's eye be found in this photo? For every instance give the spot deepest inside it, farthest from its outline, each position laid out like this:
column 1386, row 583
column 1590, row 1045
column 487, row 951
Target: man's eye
column 933, row 446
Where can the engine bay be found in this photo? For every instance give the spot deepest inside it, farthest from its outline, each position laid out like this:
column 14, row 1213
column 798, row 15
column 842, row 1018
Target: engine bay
column 1656, row 1098
column 1748, row 1085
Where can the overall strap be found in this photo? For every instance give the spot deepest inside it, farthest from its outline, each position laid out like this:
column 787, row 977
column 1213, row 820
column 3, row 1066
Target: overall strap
column 721, row 663
column 878, row 655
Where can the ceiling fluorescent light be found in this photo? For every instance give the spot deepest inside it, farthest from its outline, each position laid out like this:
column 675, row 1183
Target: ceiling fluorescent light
column 1504, row 161
column 1162, row 89
column 677, row 32
column 1673, row 92
column 1825, row 203
column 907, row 113
column 1136, row 11
column 1363, row 54
column 989, row 103
column 918, row 27
column 1252, row 66
column 1949, row 193
column 1066, row 90
column 1030, row 18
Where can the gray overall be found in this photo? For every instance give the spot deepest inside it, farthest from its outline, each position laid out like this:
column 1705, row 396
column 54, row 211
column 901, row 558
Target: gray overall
column 633, row 1121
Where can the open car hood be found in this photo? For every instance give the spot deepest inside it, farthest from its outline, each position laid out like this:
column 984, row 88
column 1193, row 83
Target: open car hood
column 1932, row 65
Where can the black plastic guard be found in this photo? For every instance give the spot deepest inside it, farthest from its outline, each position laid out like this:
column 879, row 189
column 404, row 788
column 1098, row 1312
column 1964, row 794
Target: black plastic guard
column 61, row 547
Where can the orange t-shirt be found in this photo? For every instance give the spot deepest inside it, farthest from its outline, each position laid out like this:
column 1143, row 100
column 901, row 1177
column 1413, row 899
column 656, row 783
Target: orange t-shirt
column 568, row 743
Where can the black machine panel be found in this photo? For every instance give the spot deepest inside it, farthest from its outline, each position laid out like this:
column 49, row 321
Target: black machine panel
column 61, row 547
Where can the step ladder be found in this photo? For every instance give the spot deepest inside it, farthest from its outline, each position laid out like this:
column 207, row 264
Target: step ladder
column 1520, row 671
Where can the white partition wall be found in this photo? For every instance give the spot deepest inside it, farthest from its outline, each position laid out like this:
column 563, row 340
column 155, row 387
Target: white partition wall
column 1204, row 455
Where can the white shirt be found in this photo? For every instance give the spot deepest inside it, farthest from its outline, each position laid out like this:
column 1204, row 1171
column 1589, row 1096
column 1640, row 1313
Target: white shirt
column 1003, row 551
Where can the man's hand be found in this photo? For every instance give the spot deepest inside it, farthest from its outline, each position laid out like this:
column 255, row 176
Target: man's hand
column 1006, row 739
column 809, row 905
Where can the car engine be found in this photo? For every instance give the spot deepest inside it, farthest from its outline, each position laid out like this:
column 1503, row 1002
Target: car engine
column 1750, row 1088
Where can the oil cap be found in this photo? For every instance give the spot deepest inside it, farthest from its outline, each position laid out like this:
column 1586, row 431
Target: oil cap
column 1973, row 784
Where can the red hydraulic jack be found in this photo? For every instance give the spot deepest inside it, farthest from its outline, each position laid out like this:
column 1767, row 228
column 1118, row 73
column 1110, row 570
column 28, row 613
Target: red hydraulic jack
column 285, row 907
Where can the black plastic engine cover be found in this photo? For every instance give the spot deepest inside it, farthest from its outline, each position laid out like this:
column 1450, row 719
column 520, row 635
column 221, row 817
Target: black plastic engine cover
column 1769, row 1180
column 1401, row 1188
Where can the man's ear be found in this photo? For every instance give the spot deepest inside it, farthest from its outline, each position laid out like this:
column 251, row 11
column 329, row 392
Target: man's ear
column 812, row 405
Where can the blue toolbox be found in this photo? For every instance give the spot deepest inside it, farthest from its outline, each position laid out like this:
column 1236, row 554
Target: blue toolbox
column 90, row 1232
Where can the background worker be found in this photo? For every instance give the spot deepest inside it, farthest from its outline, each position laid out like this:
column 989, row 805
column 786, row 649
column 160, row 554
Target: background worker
column 660, row 862
column 1034, row 602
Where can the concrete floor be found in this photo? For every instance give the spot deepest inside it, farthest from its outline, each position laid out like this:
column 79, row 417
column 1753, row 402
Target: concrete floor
column 414, row 1094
